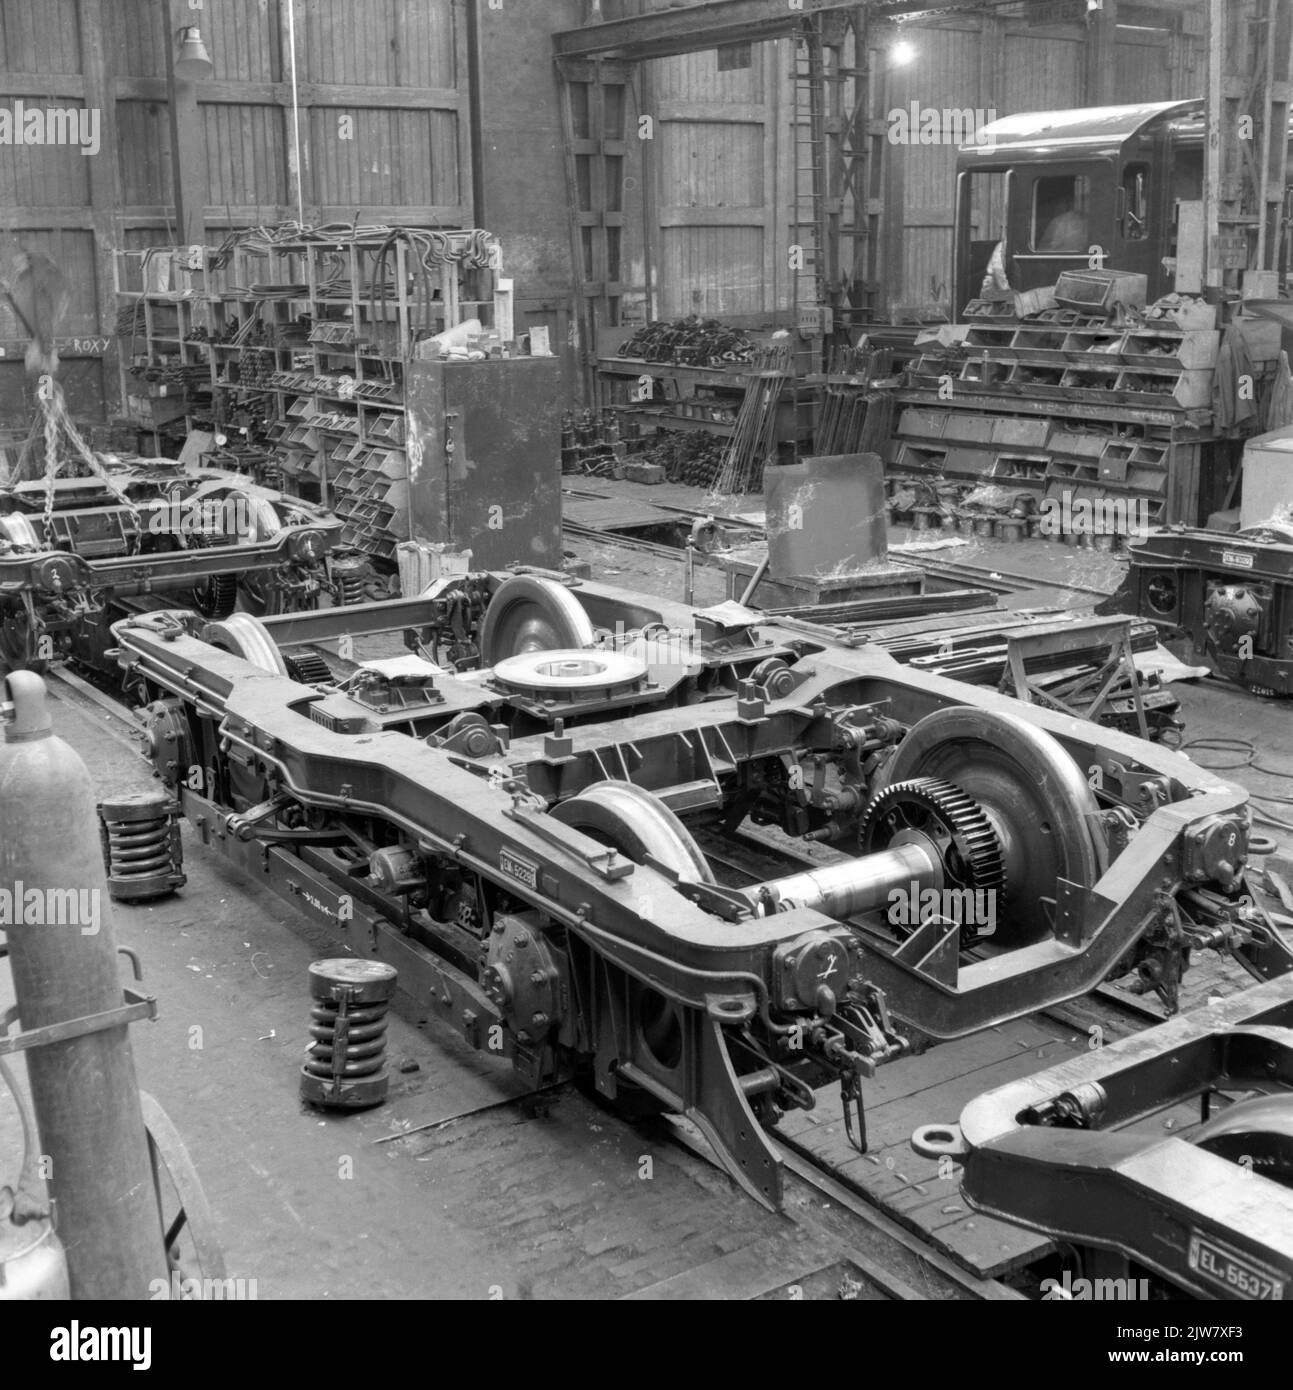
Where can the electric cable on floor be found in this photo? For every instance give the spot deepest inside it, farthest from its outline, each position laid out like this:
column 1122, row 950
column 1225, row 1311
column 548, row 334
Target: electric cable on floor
column 1248, row 751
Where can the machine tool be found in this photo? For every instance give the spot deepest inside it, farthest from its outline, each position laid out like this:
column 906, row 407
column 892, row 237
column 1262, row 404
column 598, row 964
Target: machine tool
column 705, row 861
column 77, row 553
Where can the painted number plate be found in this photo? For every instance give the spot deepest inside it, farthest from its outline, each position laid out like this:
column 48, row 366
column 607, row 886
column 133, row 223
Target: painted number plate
column 1231, row 1271
column 1237, row 559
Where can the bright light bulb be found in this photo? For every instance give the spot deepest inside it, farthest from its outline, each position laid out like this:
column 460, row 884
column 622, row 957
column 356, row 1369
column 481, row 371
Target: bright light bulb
column 902, row 53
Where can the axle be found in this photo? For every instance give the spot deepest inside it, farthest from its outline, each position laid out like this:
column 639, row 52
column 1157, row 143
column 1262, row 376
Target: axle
column 858, row 885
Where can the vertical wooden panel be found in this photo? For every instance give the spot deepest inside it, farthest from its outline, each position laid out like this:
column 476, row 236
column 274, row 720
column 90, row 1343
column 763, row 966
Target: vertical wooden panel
column 46, row 175
column 246, row 156
column 144, row 164
column 1045, row 73
column 711, row 271
column 716, row 196
column 1142, row 66
column 138, row 34
column 712, row 164
column 381, row 43
column 39, row 36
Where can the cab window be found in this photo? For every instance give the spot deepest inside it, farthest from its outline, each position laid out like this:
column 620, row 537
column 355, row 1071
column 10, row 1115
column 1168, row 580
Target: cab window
column 1060, row 213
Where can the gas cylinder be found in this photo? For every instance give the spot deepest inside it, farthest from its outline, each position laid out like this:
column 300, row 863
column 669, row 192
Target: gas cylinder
column 56, row 914
column 32, row 1261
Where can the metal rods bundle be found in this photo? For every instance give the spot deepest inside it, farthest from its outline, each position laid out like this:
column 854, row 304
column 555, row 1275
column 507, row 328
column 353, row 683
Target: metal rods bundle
column 754, row 440
column 855, row 418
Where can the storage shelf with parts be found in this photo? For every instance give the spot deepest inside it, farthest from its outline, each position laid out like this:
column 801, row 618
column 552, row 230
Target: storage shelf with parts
column 675, row 395
column 300, row 342
column 1054, row 409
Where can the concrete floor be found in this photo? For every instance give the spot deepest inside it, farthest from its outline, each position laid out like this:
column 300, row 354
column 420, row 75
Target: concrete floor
column 449, row 1190
column 487, row 1202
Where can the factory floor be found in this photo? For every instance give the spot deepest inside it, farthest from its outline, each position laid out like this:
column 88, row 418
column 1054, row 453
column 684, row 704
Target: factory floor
column 452, row 1189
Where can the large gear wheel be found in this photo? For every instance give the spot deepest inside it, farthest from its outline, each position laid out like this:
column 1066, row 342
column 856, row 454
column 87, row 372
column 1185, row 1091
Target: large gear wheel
column 930, row 810
column 1034, row 796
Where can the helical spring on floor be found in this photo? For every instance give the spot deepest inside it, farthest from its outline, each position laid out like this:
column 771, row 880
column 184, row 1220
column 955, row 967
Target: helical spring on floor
column 142, row 850
column 345, row 1066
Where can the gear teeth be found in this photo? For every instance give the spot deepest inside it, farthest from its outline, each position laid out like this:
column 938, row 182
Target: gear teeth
column 971, row 830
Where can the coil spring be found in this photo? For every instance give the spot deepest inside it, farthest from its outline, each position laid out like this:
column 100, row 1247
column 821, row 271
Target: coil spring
column 345, row 1064
column 350, row 589
column 142, row 850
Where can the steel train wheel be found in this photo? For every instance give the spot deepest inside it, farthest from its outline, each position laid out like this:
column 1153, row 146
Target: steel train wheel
column 244, row 636
column 531, row 614
column 628, row 818
column 1032, row 792
column 1256, row 1133
column 194, row 1258
column 639, row 825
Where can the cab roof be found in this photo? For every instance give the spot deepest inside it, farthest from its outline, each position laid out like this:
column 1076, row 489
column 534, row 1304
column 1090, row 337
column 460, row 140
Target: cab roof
column 1093, row 130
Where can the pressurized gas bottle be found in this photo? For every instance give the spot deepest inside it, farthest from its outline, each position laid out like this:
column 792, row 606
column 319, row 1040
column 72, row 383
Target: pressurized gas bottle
column 55, row 911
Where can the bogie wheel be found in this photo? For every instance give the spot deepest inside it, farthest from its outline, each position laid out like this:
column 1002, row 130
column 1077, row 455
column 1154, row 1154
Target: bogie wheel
column 194, row 1259
column 217, row 596
column 1033, row 794
column 244, row 636
column 532, row 614
column 628, row 818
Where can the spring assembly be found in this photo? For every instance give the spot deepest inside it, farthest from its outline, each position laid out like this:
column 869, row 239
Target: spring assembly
column 348, row 574
column 345, row 1066
column 142, row 851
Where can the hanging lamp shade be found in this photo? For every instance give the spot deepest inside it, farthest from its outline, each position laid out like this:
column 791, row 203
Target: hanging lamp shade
column 192, row 61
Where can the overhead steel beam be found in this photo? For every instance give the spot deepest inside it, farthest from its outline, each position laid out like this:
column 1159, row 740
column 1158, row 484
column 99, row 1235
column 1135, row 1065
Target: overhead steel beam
column 690, row 29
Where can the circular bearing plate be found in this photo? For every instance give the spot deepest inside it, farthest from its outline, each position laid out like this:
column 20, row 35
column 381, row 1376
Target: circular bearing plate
column 530, row 614
column 1033, row 793
column 631, row 820
column 244, row 636
column 542, row 673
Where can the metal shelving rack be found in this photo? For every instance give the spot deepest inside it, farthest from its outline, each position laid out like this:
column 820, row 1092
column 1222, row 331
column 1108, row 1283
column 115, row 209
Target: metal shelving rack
column 316, row 333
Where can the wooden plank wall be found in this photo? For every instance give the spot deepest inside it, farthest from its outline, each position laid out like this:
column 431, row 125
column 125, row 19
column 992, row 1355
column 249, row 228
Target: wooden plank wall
column 383, row 123
column 722, row 182
column 725, row 167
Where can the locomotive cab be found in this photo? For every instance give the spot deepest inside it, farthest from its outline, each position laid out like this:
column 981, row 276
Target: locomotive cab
column 1071, row 190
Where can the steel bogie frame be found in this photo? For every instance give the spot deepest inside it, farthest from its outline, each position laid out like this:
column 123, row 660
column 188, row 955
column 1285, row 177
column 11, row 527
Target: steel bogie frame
column 1207, row 1208
column 1176, row 572
column 466, row 835
column 60, row 576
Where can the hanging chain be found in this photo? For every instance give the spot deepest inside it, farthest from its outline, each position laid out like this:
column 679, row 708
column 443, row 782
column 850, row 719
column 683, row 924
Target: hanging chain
column 50, row 396
column 45, row 393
